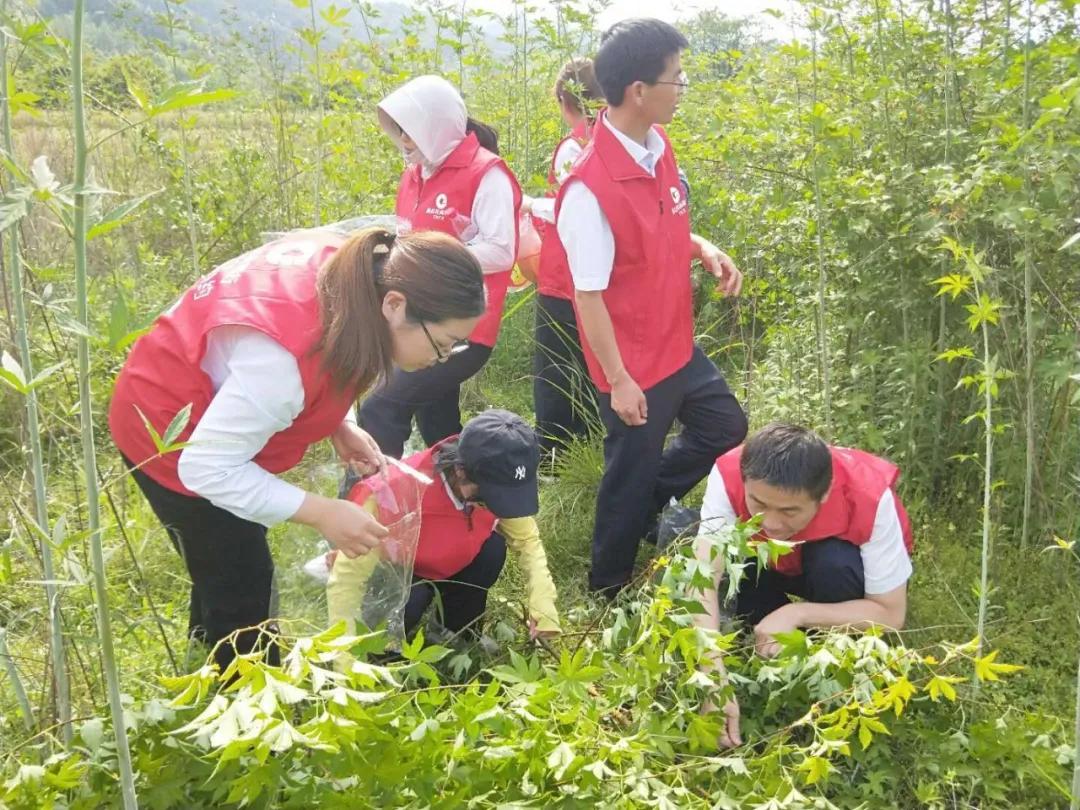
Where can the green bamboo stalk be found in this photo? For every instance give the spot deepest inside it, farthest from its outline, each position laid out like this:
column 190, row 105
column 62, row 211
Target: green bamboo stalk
column 942, row 343
column 1029, row 326
column 317, row 175
column 86, row 419
column 25, row 708
column 1075, row 803
column 988, row 483
column 823, row 343
column 61, row 684
column 189, row 205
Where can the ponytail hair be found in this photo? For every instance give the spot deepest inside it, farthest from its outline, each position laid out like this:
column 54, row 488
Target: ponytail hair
column 577, row 86
column 485, row 134
column 438, row 276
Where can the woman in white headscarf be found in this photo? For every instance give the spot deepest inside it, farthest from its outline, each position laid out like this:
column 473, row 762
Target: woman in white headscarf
column 455, row 182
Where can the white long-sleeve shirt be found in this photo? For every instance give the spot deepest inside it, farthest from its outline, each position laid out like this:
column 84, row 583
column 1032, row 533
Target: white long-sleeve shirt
column 257, row 393
column 885, row 558
column 565, row 157
column 584, row 228
column 493, row 216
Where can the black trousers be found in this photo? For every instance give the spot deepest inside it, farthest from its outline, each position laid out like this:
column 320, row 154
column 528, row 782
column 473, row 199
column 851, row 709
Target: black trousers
column 462, row 599
column 230, row 566
column 640, row 475
column 564, row 396
column 431, row 395
column 832, row 572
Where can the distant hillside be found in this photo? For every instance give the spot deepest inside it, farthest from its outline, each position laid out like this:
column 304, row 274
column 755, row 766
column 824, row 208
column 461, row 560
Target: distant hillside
column 110, row 23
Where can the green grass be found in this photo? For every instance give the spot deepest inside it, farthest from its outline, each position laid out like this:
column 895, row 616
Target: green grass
column 1032, row 622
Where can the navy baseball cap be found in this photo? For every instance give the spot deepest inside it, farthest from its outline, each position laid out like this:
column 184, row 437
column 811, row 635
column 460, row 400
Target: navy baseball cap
column 500, row 455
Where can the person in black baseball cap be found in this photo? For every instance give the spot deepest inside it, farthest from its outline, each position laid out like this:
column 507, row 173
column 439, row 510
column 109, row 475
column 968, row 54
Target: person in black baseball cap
column 499, row 456
column 483, row 499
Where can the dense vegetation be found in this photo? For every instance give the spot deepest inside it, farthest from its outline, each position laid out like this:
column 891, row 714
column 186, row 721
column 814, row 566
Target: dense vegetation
column 899, row 183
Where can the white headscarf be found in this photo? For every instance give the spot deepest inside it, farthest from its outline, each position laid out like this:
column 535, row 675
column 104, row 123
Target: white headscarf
column 430, row 111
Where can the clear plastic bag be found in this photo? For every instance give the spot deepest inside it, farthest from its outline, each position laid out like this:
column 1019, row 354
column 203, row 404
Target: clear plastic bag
column 348, row 226
column 383, row 577
column 397, row 501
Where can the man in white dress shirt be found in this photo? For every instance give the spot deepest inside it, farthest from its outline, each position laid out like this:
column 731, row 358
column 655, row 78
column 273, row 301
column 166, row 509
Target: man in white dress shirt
column 623, row 222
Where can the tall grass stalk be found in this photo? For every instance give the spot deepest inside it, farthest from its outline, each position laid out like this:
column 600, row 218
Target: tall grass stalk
column 823, row 339
column 1029, row 327
column 86, row 417
column 37, row 467
column 1075, row 803
column 189, row 205
column 317, row 64
column 988, row 481
column 25, row 708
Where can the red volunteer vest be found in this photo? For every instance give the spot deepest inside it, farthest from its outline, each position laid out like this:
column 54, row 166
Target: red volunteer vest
column 859, row 481
column 553, row 276
column 271, row 289
column 450, row 539
column 649, row 296
column 444, row 203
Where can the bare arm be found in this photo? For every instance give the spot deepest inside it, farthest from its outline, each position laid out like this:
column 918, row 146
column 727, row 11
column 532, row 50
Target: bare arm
column 627, row 398
column 718, row 263
column 887, row 610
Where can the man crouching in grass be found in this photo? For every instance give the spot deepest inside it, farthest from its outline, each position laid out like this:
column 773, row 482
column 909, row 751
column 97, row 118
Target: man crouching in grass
column 852, row 557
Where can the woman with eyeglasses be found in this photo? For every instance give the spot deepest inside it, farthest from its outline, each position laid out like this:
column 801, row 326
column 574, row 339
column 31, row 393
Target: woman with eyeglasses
column 455, row 182
column 268, row 354
column 483, row 499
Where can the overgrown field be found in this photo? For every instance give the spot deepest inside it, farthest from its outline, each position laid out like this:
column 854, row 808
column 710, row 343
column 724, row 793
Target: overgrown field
column 899, row 183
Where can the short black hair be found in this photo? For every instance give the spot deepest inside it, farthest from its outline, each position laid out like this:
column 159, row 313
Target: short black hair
column 789, row 457
column 635, row 50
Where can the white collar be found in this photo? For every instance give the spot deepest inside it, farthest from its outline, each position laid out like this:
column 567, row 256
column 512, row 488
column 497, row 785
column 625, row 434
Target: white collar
column 458, row 504
column 646, row 156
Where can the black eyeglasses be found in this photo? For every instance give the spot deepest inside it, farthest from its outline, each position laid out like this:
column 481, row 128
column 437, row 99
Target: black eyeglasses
column 682, row 81
column 458, row 347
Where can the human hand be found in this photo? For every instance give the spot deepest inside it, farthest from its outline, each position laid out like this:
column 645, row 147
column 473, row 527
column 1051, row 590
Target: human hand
column 782, row 620
column 730, row 737
column 720, row 265
column 535, row 632
column 358, row 449
column 348, row 527
column 628, row 400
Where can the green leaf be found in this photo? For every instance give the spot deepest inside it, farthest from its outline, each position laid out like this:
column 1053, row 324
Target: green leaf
column 71, row 326
column 422, row 730
column 964, row 352
column 118, row 215
column 11, row 373
column 188, row 94
column 45, row 373
column 816, row 769
column 984, row 310
column 942, row 686
column 119, row 318
column 13, row 207
column 987, row 670
column 952, row 285
column 560, row 758
column 93, row 733
column 177, row 425
column 155, row 437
